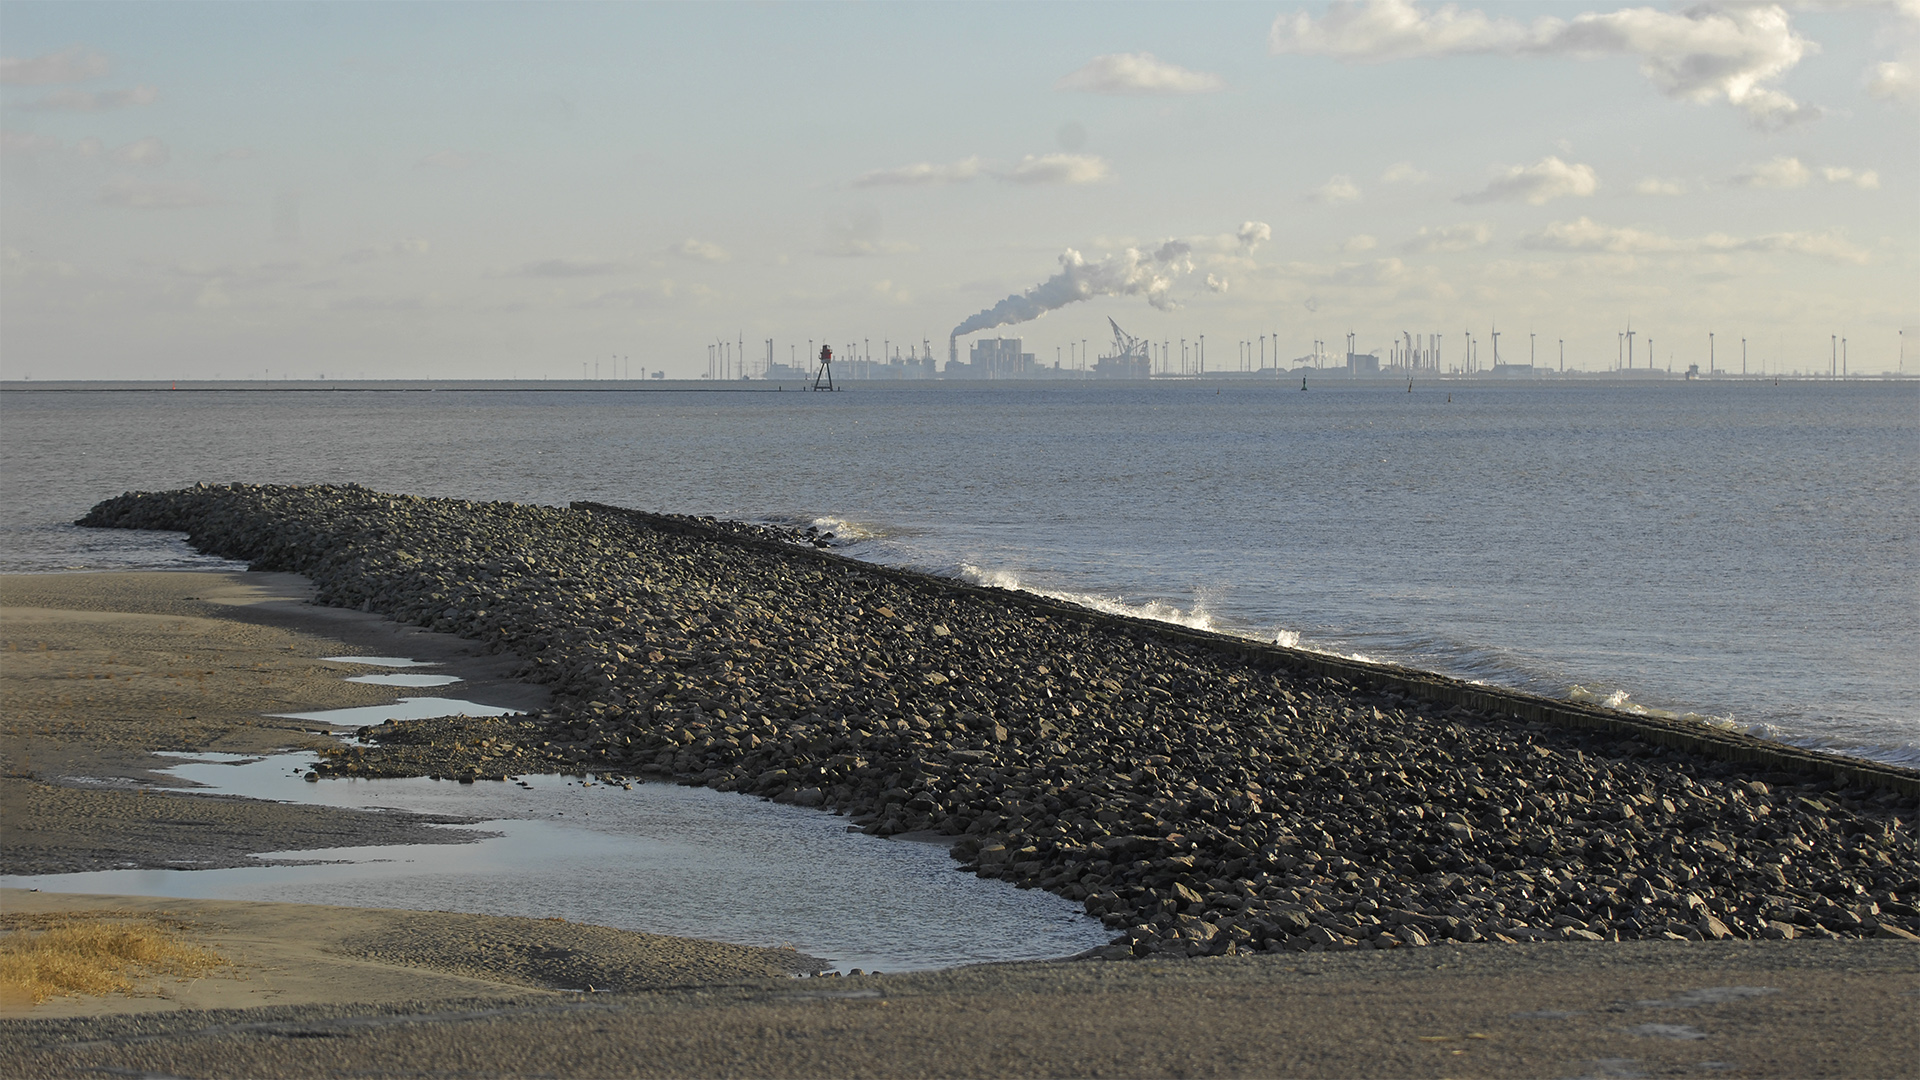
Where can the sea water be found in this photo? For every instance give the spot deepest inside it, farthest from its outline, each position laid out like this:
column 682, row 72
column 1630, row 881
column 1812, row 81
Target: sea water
column 1736, row 549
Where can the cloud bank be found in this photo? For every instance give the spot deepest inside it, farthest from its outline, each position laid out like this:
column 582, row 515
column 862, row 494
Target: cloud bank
column 1702, row 54
column 1138, row 73
column 1059, row 169
column 152, row 195
column 921, row 174
column 93, row 100
column 1587, row 235
column 1544, row 180
column 1032, row 169
column 1337, row 189
column 1462, row 237
column 699, row 251
column 1781, row 172
column 73, row 64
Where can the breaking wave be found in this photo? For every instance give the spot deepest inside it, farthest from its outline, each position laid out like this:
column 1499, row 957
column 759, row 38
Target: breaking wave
column 1196, row 617
column 1907, row 754
column 848, row 531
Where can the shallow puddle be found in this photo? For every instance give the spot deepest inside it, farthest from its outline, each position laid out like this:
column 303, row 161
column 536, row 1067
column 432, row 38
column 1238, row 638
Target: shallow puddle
column 406, row 680
column 659, row 857
column 407, row 708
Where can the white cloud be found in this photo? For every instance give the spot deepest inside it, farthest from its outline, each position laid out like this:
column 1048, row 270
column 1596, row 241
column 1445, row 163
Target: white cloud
column 1404, row 172
column 74, row 64
column 1462, row 237
column 858, row 235
column 446, row 159
column 1354, row 245
column 150, row 195
column 661, row 294
column 699, row 251
column 921, row 174
column 1703, row 53
column 1378, row 30
column 93, row 100
column 1586, row 235
column 886, row 290
column 1378, row 272
column 149, row 151
column 1781, row 172
column 1252, row 234
column 412, row 245
column 569, row 268
column 378, row 304
column 1059, row 169
column 1544, row 180
column 1654, row 185
column 1894, row 81
column 1138, row 73
column 1216, row 284
column 1865, row 179
column 26, row 144
column 1337, row 189
column 855, row 247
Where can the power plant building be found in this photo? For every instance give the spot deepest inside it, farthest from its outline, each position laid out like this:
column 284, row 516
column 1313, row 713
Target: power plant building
column 994, row 358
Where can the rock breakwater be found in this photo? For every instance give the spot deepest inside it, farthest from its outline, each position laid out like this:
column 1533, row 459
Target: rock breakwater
column 1197, row 798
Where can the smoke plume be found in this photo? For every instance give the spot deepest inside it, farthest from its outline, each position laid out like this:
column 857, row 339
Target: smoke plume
column 1130, row 273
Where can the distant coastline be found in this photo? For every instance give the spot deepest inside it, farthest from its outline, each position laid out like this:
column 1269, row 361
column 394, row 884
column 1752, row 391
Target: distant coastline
column 1334, row 376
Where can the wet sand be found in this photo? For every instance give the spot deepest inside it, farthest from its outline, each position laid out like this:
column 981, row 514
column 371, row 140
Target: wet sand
column 331, row 990
column 349, row 991
column 98, row 672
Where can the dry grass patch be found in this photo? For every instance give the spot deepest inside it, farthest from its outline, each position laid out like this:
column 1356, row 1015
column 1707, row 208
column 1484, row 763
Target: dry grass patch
column 43, row 956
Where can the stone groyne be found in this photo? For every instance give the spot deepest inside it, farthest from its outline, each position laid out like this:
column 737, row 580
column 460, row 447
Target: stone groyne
column 1201, row 794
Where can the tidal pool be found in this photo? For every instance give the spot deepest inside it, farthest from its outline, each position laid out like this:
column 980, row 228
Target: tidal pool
column 657, row 857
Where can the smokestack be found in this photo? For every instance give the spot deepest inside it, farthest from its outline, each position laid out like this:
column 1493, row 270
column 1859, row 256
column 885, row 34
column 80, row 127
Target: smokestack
column 953, row 350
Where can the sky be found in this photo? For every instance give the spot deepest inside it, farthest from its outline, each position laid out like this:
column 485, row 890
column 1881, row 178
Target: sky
column 507, row 190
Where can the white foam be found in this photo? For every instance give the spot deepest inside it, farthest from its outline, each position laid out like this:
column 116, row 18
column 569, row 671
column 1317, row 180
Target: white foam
column 1196, row 618
column 379, row 661
column 1906, row 754
column 843, row 529
column 1617, row 700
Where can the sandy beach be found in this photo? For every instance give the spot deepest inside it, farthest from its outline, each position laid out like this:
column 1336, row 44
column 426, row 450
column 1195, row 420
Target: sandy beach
column 101, row 671
column 332, row 991
column 322, row 991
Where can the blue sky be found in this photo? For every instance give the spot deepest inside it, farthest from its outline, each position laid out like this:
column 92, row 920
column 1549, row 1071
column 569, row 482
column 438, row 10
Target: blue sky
column 467, row 190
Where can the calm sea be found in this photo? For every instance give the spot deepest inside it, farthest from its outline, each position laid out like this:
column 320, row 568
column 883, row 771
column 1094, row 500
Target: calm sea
column 1740, row 550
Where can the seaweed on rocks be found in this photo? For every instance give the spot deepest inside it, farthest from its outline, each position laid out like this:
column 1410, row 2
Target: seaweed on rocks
column 1196, row 799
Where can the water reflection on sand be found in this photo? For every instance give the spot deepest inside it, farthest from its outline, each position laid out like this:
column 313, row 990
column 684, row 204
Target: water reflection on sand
column 656, row 857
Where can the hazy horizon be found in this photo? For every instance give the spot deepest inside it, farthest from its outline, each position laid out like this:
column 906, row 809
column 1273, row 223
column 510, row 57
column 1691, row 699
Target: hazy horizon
column 198, row 191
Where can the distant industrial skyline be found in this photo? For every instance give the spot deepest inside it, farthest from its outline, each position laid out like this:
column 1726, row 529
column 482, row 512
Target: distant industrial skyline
column 512, row 190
